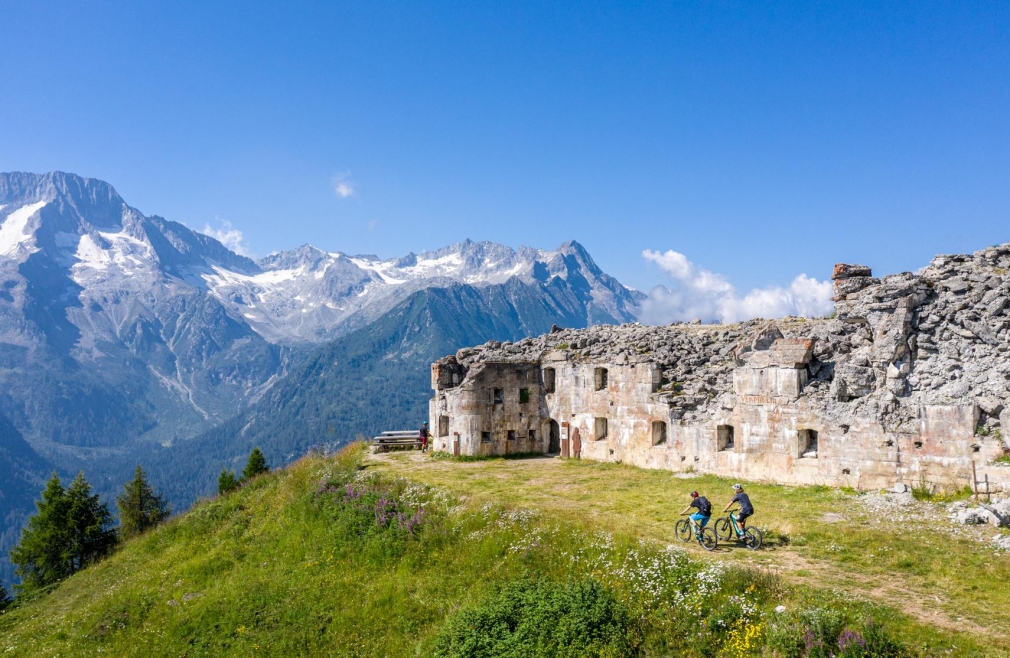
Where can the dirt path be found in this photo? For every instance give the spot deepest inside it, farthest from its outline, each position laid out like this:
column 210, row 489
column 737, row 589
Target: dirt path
column 645, row 503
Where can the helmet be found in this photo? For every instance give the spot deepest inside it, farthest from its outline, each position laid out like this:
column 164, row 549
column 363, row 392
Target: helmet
column 694, row 494
column 425, row 422
column 738, row 486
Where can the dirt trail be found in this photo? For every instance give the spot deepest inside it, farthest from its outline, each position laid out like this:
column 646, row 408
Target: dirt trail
column 546, row 484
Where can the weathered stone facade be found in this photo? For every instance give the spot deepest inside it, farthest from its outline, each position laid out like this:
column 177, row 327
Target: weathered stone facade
column 906, row 383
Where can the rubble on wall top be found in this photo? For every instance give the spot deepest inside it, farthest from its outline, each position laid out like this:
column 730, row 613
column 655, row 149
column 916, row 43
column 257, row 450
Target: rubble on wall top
column 937, row 337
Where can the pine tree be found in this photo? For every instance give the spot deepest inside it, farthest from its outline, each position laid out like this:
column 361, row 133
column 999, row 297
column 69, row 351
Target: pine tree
column 139, row 506
column 42, row 556
column 5, row 598
column 71, row 530
column 226, row 481
column 93, row 534
column 256, row 465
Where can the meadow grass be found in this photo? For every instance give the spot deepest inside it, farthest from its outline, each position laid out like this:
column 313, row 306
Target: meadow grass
column 819, row 538
column 333, row 556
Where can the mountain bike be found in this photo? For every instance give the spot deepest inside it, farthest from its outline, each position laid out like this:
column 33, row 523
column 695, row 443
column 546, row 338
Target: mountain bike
column 728, row 527
column 685, row 528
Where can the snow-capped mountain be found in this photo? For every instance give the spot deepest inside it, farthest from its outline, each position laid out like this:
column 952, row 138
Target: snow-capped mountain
column 310, row 295
column 116, row 326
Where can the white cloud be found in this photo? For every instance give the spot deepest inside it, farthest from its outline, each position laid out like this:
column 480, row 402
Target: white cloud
column 699, row 293
column 342, row 185
column 229, row 236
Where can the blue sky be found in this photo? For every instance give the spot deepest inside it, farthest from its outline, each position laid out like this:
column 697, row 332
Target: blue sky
column 759, row 140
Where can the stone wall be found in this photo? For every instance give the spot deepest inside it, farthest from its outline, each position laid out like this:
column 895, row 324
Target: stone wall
column 895, row 388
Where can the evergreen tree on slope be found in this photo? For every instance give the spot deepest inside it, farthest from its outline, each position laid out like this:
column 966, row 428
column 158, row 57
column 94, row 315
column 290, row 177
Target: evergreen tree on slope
column 71, row 530
column 256, row 465
column 42, row 556
column 226, row 482
column 5, row 598
column 139, row 506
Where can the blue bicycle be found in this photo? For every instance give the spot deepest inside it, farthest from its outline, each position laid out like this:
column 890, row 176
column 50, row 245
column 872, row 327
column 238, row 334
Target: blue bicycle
column 728, row 527
column 705, row 536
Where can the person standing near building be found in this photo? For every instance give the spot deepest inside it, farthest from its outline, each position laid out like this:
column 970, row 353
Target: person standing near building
column 423, row 434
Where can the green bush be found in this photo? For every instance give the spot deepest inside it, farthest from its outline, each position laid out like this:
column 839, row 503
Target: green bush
column 827, row 633
column 542, row 618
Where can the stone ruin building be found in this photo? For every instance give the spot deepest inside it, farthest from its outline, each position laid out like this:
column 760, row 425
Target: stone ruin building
column 905, row 383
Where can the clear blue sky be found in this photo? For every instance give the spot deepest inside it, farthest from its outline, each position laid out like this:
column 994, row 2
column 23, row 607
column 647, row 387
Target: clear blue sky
column 760, row 139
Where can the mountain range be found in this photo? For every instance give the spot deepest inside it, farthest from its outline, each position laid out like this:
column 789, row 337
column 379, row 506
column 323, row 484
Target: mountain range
column 127, row 338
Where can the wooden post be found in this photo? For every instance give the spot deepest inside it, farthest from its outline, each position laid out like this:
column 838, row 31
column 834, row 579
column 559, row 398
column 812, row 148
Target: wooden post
column 974, row 479
column 988, row 497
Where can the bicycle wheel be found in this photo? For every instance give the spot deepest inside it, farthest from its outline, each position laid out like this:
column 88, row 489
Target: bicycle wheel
column 683, row 530
column 723, row 529
column 708, row 539
column 753, row 538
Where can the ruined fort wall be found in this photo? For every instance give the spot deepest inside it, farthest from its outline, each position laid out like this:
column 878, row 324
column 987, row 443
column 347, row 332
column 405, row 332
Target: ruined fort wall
column 907, row 384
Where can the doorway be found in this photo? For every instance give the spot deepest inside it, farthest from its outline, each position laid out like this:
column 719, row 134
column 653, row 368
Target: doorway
column 554, row 447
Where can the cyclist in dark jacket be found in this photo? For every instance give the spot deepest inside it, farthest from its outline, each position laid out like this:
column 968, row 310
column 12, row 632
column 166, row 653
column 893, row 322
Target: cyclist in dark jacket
column 746, row 509
column 704, row 508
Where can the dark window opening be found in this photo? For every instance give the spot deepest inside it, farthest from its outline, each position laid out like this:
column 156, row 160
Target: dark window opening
column 724, row 438
column 806, row 443
column 497, row 396
column 511, row 435
column 601, row 428
column 533, row 435
column 485, row 437
column 524, row 395
column 549, row 380
column 658, row 432
column 443, row 426
column 600, row 376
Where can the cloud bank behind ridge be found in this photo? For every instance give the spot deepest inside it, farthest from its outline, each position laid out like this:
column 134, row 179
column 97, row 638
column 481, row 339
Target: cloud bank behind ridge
column 700, row 294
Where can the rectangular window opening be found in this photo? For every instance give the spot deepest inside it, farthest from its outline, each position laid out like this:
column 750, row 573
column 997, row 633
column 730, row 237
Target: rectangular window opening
column 601, row 429
column 725, row 439
column 511, row 435
column 600, row 376
column 658, row 432
column 485, row 437
column 443, row 426
column 524, row 395
column 549, row 375
column 497, row 396
column 807, row 443
column 533, row 435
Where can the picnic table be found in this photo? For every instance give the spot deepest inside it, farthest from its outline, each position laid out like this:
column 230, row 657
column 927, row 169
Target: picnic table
column 400, row 439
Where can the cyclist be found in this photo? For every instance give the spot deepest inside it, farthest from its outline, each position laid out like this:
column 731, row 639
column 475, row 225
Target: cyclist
column 746, row 509
column 704, row 508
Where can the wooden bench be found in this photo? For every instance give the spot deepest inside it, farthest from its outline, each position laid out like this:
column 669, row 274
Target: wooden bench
column 398, row 440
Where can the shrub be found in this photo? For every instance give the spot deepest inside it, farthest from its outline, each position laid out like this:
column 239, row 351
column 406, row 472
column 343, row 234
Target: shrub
column 542, row 618
column 826, row 633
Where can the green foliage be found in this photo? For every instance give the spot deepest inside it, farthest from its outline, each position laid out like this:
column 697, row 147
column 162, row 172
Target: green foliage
column 926, row 492
column 5, row 598
column 139, row 506
column 71, row 530
column 257, row 465
column 1003, row 459
column 226, row 482
column 822, row 632
column 542, row 618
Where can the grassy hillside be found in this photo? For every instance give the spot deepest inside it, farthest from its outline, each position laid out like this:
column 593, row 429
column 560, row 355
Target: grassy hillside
column 345, row 557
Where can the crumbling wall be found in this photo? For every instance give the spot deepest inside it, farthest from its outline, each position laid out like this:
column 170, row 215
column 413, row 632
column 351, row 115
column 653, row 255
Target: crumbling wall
column 907, row 382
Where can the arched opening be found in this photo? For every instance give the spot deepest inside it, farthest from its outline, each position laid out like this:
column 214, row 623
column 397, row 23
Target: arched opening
column 554, row 447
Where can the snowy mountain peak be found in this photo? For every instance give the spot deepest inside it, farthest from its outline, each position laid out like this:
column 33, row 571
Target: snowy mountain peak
column 87, row 236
